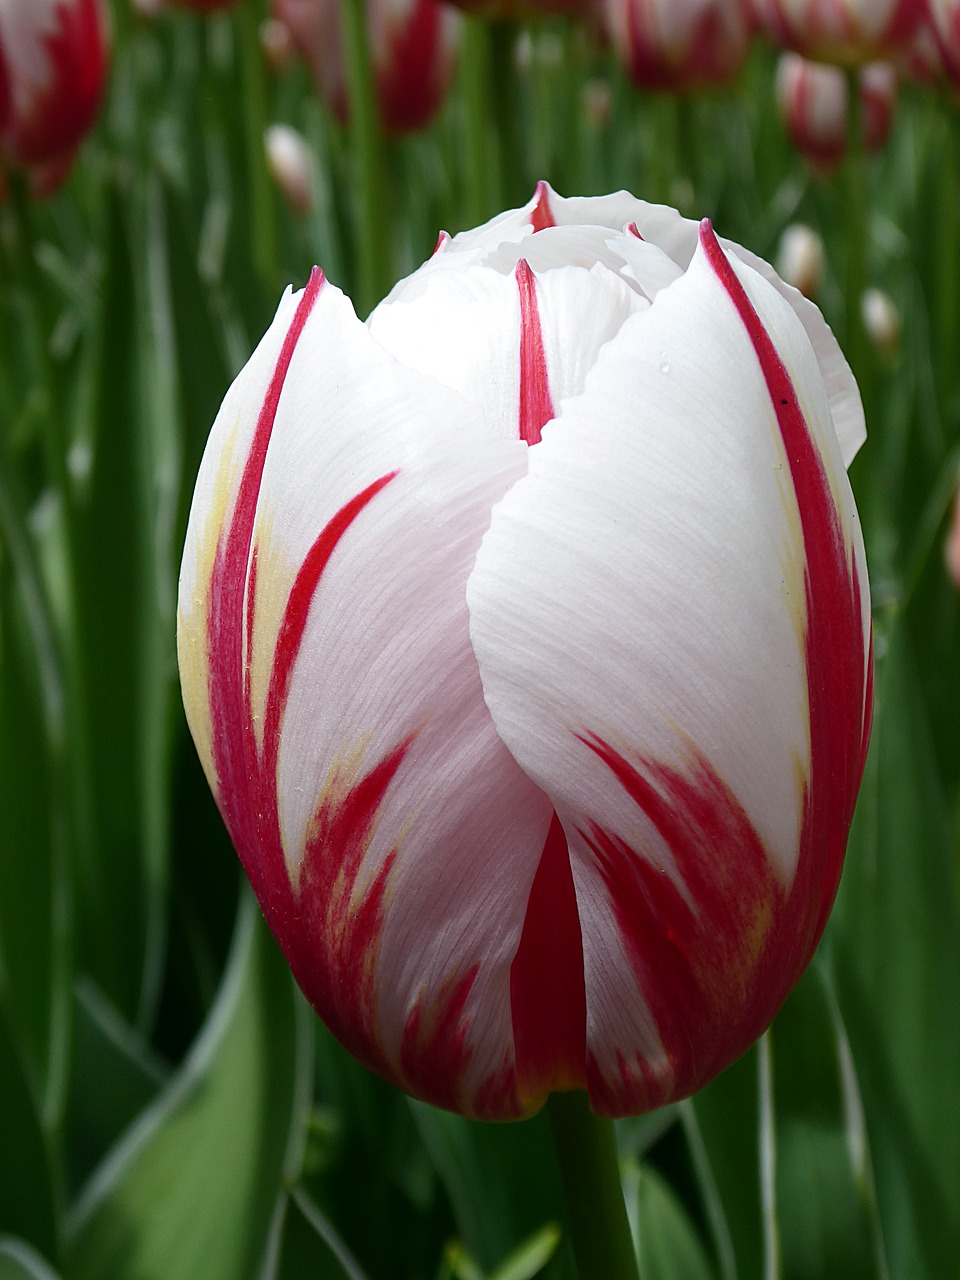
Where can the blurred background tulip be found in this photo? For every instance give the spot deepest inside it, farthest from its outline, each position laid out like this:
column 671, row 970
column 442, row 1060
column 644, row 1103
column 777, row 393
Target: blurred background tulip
column 846, row 32
column 945, row 17
column 800, row 259
column 679, row 45
column 291, row 166
column 881, row 320
column 53, row 68
column 413, row 50
column 813, row 100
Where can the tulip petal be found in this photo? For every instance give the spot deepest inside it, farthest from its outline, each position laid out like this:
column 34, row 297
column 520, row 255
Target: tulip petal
column 468, row 329
column 338, row 513
column 665, row 523
column 506, row 238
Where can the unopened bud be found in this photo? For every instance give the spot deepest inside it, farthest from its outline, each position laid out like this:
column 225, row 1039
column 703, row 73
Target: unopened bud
column 291, row 165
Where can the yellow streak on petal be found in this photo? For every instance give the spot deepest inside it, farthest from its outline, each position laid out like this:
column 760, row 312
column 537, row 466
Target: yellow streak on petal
column 193, row 611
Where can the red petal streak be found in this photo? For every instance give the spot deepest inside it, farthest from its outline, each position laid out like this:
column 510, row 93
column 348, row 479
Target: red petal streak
column 329, row 927
column 536, row 407
column 541, row 216
column 443, row 239
column 547, row 995
column 233, row 737
column 716, row 950
column 705, row 956
column 839, row 687
column 435, row 1054
column 633, row 230
column 336, row 929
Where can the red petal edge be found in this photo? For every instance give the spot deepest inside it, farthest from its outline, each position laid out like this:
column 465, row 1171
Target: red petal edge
column 716, row 961
column 326, row 925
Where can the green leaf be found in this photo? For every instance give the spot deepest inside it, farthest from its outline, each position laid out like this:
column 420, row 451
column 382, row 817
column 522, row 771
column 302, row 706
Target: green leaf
column 722, row 1125
column 895, row 950
column 20, row 1261
column 192, row 1188
column 669, row 1246
column 825, row 1208
column 27, row 1202
column 105, row 1048
column 502, row 1180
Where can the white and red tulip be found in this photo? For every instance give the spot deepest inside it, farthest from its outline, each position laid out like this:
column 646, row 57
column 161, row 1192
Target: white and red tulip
column 813, row 97
column 414, row 45
column 53, row 68
column 679, row 45
column 524, row 636
column 846, row 32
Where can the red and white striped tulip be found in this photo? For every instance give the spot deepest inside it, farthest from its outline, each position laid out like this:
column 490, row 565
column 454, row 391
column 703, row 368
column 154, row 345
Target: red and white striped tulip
column 53, row 68
column 813, row 100
column 679, row 45
column 414, row 45
column 524, row 636
column 845, row 32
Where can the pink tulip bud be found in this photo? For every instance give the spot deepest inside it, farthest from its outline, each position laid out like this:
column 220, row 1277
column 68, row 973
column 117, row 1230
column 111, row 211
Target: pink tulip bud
column 524, row 635
column 845, row 32
column 800, row 259
column 813, row 103
column 674, row 45
column 53, row 66
column 414, row 47
column 290, row 165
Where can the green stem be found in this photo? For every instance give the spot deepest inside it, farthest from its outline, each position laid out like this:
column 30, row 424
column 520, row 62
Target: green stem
column 858, row 349
column 374, row 240
column 590, row 1175
column 263, row 227
column 482, row 147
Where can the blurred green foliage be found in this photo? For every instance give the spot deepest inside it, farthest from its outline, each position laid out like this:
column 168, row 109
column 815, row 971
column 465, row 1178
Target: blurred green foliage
column 169, row 1109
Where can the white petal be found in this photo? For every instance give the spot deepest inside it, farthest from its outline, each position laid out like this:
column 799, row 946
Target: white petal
column 386, row 660
column 464, row 328
column 643, row 585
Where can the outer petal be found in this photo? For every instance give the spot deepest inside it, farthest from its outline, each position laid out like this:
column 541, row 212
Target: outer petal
column 331, row 685
column 688, row 518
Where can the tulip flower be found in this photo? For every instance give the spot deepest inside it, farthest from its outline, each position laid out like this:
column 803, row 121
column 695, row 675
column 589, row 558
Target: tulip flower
column 945, row 20
column 53, row 66
column 524, row 636
column 813, row 103
column 845, row 32
column 675, row 45
column 414, row 47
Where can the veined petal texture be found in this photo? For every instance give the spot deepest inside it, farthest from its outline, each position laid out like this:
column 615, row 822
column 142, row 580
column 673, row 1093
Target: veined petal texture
column 670, row 616
column 524, row 636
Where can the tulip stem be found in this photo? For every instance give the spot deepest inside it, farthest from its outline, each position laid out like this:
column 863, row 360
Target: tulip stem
column 482, row 158
column 590, row 1174
column 373, row 256
column 858, row 350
